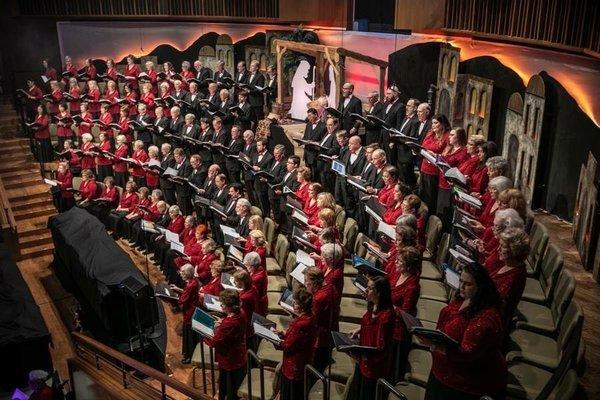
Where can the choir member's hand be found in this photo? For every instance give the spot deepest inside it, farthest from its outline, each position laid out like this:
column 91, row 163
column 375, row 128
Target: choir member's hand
column 159, row 237
column 391, row 145
column 256, row 168
column 371, row 190
column 217, row 322
column 476, row 195
column 476, row 225
column 352, row 131
column 315, row 256
column 355, row 333
column 278, row 192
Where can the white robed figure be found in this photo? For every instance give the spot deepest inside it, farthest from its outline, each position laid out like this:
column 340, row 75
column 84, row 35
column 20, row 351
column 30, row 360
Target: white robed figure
column 302, row 91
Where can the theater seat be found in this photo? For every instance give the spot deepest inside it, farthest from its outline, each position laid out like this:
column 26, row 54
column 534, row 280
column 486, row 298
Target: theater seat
column 352, row 310
column 527, row 382
column 430, row 269
column 256, row 211
column 412, row 391
column 350, row 290
column 541, row 291
column 342, row 367
column 338, row 391
column 76, row 182
column 429, row 310
column 269, row 231
column 350, row 232
column 276, row 283
column 268, row 353
column 197, row 356
column 419, row 366
column 433, row 233
column 269, row 385
column 538, row 243
column 434, row 290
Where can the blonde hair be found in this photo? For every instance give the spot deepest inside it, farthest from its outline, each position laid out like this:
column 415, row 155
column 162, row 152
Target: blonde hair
column 327, row 199
column 258, row 236
column 257, row 221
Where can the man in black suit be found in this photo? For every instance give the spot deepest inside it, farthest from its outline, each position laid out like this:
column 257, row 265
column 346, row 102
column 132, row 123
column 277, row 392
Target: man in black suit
column 379, row 160
column 354, row 160
column 262, row 160
column 207, row 190
column 202, row 74
column 232, row 165
column 393, row 113
column 278, row 170
column 220, row 136
column 241, row 77
column 314, row 131
column 235, row 192
column 160, row 122
column 220, row 73
column 249, row 150
column 242, row 211
column 271, row 84
column 219, row 196
column 224, row 105
column 423, row 114
column 193, row 98
column 367, row 174
column 244, row 113
column 196, row 176
column 144, row 119
column 184, row 170
column 405, row 157
column 329, row 147
column 349, row 104
column 180, row 96
column 168, row 161
column 206, row 135
column 256, row 98
column 372, row 131
column 175, row 125
column 210, row 103
column 340, row 181
column 190, row 129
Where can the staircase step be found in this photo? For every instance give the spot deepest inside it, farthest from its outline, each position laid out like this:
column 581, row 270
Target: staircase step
column 24, row 204
column 21, row 181
column 16, row 149
column 32, row 227
column 21, row 172
column 32, row 212
column 40, row 250
column 14, row 141
column 32, row 241
column 30, row 192
column 16, row 166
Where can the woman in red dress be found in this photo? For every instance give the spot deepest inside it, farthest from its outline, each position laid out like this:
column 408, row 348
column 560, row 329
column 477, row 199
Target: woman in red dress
column 63, row 125
column 303, row 178
column 248, row 304
column 112, row 95
column 229, row 342
column 153, row 174
column 256, row 242
column 186, row 75
column 311, row 206
column 49, row 71
column 476, row 367
column 479, row 178
column 74, row 94
column 85, row 125
column 376, row 330
column 87, row 144
column 394, row 210
column 108, row 200
column 132, row 71
column 455, row 154
column 434, row 143
column 213, row 286
column 56, row 97
column 93, row 98
column 188, row 301
column 129, row 200
column 404, row 282
column 120, row 167
column 111, row 71
column 131, row 100
column 89, row 69
column 202, row 262
column 105, row 121
column 64, row 178
column 69, row 70
column 123, row 122
column 148, row 98
column 258, row 275
column 150, row 77
column 469, row 166
column 385, row 195
column 104, row 162
column 162, row 98
column 486, row 219
column 34, row 96
column 42, row 135
column 324, row 200
column 193, row 248
column 140, row 155
column 88, row 190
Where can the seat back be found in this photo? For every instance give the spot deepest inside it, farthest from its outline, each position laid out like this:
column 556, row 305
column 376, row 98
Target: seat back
column 340, row 218
column 442, row 250
column 269, row 231
column 359, row 249
column 350, row 232
column 565, row 288
column 551, row 266
column 529, row 221
column 571, row 325
column 566, row 388
column 256, row 211
column 120, row 190
column 433, row 232
column 281, row 249
column 538, row 243
column 290, row 264
column 76, row 182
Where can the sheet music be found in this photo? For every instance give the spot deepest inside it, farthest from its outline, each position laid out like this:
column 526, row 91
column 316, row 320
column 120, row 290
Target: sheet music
column 171, row 236
column 452, row 278
column 300, row 217
column 266, row 333
column 298, row 273
column 50, row 182
column 304, row 258
column 387, row 229
column 176, row 246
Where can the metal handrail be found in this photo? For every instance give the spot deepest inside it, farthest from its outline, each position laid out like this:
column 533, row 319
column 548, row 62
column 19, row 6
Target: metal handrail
column 120, row 361
column 203, row 368
column 382, row 385
column 252, row 356
column 310, row 370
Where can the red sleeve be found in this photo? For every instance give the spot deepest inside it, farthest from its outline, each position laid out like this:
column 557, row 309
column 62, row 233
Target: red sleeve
column 44, row 122
column 57, row 96
column 481, row 334
column 37, row 94
column 293, row 341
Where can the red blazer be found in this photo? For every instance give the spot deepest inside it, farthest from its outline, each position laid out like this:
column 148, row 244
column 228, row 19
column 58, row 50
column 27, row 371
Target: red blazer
column 468, row 167
column 111, row 74
column 188, row 235
column 202, row 264
column 490, row 244
column 488, row 213
column 107, row 119
column 376, row 329
column 477, row 366
column 91, row 72
column 74, row 160
column 74, row 104
column 65, row 181
column 51, row 73
column 297, row 346
column 455, row 159
column 148, row 100
column 42, row 132
column 335, row 277
column 437, row 146
column 229, row 342
column 112, row 97
column 192, row 249
column 188, row 300
column 57, row 97
column 326, row 314
column 125, row 129
column 105, row 146
column 390, row 265
column 261, row 250
column 185, row 75
column 492, row 262
column 312, row 211
column 72, row 70
column 176, row 225
column 131, row 97
column 386, row 194
column 87, row 117
column 142, row 202
column 87, row 161
column 133, row 71
column 112, row 194
column 404, row 298
column 151, row 215
column 392, row 213
column 64, row 130
column 302, row 193
column 152, row 178
column 141, row 156
column 89, row 190
column 248, row 303
column 479, row 179
column 510, row 285
column 121, row 166
column 260, row 282
column 129, row 201
column 93, row 98
column 213, row 287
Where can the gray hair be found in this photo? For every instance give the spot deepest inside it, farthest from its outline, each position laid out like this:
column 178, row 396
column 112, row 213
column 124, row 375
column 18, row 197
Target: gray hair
column 158, row 193
column 187, row 271
column 381, row 152
column 252, row 259
column 174, row 210
column 331, row 252
column 279, row 147
column 175, row 108
column 407, row 220
column 190, row 115
column 166, row 146
column 500, row 183
column 38, row 375
column 498, row 163
column 87, row 136
column 509, row 218
column 185, row 64
column 244, row 202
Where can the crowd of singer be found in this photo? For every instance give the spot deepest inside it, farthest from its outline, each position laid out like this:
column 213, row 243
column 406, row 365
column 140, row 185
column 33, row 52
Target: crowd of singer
column 168, row 121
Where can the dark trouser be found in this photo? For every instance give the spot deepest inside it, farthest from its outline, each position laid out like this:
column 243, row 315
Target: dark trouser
column 406, row 171
column 114, row 219
column 362, row 388
column 103, row 172
column 140, row 181
column 229, row 383
column 263, row 200
column 372, row 136
column 291, row 390
column 189, row 341
column 169, row 196
column 234, row 176
column 44, row 150
column 275, row 204
column 400, row 350
column 436, row 390
column 428, row 191
column 185, row 205
column 65, row 203
column 249, row 186
column 124, row 228
column 444, row 208
column 321, row 358
column 341, row 192
column 121, row 179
